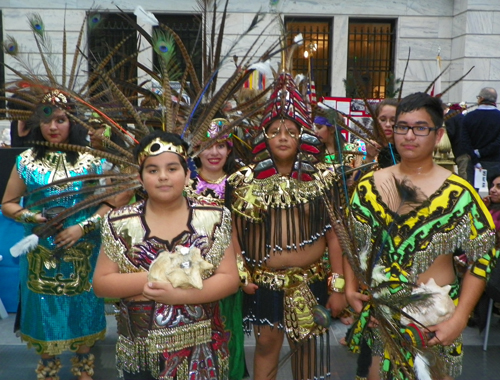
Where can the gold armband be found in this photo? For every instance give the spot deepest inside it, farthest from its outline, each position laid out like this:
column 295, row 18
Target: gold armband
column 90, row 224
column 336, row 283
column 245, row 276
column 26, row 216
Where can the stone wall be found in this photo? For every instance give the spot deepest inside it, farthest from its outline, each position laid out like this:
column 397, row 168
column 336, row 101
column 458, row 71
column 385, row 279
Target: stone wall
column 463, row 31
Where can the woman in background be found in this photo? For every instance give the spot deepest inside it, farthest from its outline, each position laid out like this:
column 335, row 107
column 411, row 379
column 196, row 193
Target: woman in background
column 210, row 186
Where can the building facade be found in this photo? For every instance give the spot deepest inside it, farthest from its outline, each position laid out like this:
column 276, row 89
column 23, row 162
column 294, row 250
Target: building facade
column 462, row 32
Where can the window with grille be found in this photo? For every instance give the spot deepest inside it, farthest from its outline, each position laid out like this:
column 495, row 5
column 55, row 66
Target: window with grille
column 317, row 35
column 188, row 29
column 110, row 31
column 370, row 61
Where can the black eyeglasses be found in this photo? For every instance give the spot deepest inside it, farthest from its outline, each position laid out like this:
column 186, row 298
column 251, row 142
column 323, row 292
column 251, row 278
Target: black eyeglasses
column 417, row 130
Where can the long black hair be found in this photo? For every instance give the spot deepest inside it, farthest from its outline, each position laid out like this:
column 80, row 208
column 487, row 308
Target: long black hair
column 44, row 113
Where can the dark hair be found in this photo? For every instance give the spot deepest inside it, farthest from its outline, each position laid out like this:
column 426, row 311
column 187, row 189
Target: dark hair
column 163, row 136
column 230, row 164
column 420, row 100
column 77, row 133
column 386, row 102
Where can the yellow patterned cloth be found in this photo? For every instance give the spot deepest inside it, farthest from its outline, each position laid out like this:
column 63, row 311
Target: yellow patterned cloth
column 405, row 245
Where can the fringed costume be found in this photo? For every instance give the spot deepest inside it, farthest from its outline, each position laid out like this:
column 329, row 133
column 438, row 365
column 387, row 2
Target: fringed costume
column 278, row 214
column 57, row 283
column 453, row 218
column 171, row 341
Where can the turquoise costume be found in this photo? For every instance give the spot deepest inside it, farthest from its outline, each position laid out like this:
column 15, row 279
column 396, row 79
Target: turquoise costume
column 59, row 310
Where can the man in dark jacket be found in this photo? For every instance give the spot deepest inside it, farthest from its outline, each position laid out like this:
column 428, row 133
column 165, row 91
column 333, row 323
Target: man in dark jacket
column 481, row 134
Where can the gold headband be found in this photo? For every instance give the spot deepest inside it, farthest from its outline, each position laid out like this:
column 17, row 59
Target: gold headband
column 158, row 146
column 55, row 97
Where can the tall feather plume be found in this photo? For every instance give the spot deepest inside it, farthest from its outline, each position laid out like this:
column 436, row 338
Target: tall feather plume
column 123, row 100
column 64, row 47
column 37, row 25
column 91, row 82
column 72, row 74
column 220, row 36
column 95, row 21
column 185, row 55
column 436, row 78
column 455, row 82
column 163, row 45
column 44, row 46
column 10, row 46
column 119, row 131
column 400, row 92
column 113, row 158
column 121, row 177
column 88, row 187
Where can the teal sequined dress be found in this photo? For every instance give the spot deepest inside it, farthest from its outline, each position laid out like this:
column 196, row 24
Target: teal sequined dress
column 59, row 310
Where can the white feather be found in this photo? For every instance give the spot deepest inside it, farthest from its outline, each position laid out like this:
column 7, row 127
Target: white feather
column 145, row 16
column 299, row 78
column 24, row 246
column 263, row 67
column 422, row 368
column 298, row 39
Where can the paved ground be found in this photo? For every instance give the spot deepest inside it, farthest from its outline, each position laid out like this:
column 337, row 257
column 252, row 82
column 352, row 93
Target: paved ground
column 17, row 362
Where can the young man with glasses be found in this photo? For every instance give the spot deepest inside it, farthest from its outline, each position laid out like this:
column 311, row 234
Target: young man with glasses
column 408, row 221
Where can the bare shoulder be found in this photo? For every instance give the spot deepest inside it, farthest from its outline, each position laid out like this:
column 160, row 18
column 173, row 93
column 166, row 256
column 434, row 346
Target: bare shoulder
column 382, row 175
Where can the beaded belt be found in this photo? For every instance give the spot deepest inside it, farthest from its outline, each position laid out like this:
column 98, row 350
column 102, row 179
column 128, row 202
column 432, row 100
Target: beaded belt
column 298, row 300
column 281, row 279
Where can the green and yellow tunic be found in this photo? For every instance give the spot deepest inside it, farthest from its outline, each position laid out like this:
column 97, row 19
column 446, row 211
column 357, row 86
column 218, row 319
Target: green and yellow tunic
column 397, row 248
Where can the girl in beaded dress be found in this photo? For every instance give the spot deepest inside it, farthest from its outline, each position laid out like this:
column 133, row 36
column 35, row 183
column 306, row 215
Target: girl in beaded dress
column 59, row 310
column 168, row 330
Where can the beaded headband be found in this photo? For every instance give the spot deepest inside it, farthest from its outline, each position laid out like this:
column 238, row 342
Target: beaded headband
column 214, row 129
column 56, row 98
column 158, row 146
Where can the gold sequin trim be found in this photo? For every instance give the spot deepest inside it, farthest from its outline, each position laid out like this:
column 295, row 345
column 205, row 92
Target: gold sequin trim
column 252, row 197
column 59, row 346
column 142, row 354
column 221, row 240
column 42, row 259
column 288, row 278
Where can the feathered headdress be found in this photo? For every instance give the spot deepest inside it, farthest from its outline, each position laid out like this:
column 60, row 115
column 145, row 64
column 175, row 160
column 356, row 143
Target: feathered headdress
column 286, row 102
column 104, row 96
